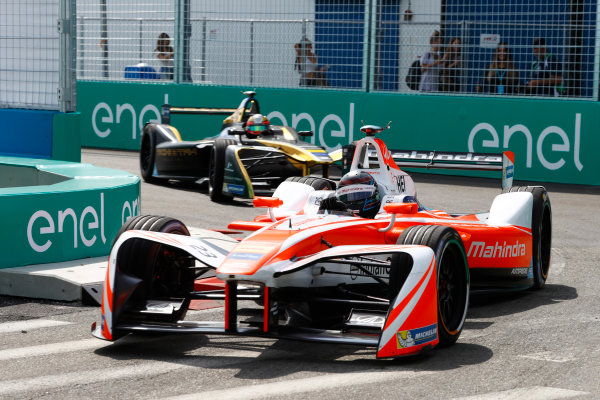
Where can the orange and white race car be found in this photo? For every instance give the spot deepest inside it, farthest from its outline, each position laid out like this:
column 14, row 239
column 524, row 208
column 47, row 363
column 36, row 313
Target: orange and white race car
column 358, row 262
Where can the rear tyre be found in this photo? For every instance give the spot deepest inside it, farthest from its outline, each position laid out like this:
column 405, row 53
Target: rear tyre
column 148, row 155
column 216, row 169
column 541, row 228
column 452, row 276
column 166, row 272
column 313, row 181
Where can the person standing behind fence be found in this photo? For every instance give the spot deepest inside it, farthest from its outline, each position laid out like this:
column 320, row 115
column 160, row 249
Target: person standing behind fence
column 164, row 52
column 451, row 64
column 311, row 74
column 430, row 65
column 501, row 76
column 545, row 78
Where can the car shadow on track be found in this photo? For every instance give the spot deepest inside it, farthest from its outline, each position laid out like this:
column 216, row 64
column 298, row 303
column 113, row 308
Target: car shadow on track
column 501, row 304
column 258, row 358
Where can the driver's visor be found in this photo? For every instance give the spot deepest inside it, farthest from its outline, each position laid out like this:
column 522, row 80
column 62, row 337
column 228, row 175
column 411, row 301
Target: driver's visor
column 256, row 128
column 355, row 193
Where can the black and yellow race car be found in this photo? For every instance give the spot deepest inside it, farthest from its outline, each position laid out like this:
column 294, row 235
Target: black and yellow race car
column 249, row 156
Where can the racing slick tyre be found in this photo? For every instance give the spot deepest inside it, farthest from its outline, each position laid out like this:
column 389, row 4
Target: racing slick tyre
column 313, row 181
column 452, row 276
column 148, row 155
column 216, row 169
column 165, row 271
column 541, row 229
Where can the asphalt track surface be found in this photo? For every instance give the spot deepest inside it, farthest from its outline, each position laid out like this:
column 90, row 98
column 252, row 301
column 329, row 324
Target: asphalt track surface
column 531, row 345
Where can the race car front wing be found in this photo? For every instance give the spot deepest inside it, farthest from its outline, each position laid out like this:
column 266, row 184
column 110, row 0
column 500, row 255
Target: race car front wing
column 404, row 325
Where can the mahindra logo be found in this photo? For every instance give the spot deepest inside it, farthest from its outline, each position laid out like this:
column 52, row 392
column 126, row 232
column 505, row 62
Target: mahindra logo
column 483, row 250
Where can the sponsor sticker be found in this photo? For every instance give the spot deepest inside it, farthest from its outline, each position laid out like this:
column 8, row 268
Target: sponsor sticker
column 520, row 271
column 369, row 270
column 496, row 250
column 510, row 171
column 245, row 256
column 415, row 337
column 234, row 189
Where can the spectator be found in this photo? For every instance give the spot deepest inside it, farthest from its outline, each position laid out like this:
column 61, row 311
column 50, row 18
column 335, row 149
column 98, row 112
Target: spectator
column 451, row 64
column 164, row 52
column 545, row 77
column 430, row 65
column 501, row 76
column 311, row 74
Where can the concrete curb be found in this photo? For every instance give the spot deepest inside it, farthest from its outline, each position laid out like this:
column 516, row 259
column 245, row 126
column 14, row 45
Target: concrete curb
column 57, row 281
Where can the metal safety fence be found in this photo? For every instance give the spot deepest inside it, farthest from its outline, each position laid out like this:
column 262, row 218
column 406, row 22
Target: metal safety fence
column 491, row 47
column 37, row 54
column 538, row 48
column 29, row 54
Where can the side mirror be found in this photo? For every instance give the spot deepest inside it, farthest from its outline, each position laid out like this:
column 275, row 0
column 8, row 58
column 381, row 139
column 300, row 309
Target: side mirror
column 401, row 208
column 271, row 202
column 237, row 131
column 398, row 208
column 305, row 134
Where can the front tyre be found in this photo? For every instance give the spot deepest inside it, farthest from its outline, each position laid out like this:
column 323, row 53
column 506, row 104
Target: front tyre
column 216, row 169
column 148, row 155
column 165, row 272
column 452, row 276
column 541, row 229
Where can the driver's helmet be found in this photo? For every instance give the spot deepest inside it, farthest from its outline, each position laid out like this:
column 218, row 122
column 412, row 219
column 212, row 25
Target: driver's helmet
column 257, row 124
column 358, row 191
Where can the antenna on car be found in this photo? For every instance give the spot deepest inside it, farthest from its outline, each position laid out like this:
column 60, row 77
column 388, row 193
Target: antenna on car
column 386, row 127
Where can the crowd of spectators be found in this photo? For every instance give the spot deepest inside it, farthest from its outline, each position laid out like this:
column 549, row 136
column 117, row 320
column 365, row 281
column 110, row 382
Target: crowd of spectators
column 441, row 70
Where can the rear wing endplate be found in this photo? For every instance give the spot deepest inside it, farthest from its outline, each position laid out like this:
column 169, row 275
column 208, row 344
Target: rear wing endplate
column 456, row 161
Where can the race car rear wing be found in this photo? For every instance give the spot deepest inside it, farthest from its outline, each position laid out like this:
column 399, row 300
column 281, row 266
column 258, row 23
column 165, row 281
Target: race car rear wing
column 458, row 161
column 455, row 161
column 167, row 110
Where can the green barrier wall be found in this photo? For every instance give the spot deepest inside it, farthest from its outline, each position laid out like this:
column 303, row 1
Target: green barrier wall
column 553, row 140
column 70, row 211
column 66, row 138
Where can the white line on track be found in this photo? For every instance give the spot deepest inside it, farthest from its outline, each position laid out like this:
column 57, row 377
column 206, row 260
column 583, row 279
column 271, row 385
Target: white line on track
column 530, row 393
column 558, row 357
column 53, row 348
column 557, row 268
column 17, row 326
column 12, row 387
column 303, row 385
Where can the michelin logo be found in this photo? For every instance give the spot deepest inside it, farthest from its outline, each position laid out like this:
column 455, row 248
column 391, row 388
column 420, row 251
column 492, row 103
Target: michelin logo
column 414, row 337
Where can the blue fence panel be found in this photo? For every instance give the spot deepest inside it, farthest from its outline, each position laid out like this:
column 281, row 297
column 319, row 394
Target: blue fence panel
column 339, row 41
